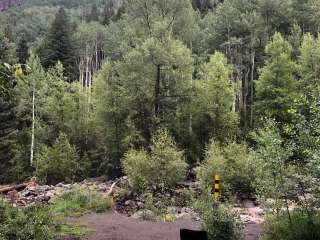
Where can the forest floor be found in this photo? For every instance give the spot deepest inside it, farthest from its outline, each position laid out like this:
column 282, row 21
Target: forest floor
column 115, row 226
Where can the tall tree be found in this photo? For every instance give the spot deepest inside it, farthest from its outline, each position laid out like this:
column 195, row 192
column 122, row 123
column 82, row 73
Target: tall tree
column 58, row 45
column 94, row 14
column 309, row 62
column 213, row 103
column 7, row 49
column 109, row 13
column 23, row 50
column 277, row 85
column 8, row 120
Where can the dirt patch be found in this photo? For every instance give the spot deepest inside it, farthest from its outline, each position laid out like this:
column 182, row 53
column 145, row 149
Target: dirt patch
column 113, row 226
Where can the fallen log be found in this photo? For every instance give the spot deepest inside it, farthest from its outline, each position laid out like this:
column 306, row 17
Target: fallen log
column 18, row 187
column 112, row 187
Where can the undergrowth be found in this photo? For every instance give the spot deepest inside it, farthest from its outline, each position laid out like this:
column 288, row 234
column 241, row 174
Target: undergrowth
column 301, row 227
column 47, row 222
column 78, row 202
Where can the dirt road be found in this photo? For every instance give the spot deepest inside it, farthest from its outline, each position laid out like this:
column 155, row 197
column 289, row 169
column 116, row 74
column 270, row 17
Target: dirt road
column 113, row 226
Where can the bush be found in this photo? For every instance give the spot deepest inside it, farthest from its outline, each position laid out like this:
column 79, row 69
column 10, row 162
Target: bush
column 279, row 228
column 234, row 166
column 163, row 166
column 138, row 167
column 36, row 223
column 57, row 163
column 31, row 223
column 154, row 210
column 78, row 202
column 218, row 221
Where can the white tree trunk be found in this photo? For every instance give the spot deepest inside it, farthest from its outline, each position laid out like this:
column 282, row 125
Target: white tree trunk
column 33, row 120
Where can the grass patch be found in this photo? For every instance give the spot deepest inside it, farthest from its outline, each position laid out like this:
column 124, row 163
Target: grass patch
column 278, row 227
column 77, row 202
column 75, row 230
column 45, row 222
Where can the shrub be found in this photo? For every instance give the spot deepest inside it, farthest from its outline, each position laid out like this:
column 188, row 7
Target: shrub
column 31, row 223
column 184, row 198
column 154, row 209
column 278, row 227
column 78, row 202
column 137, row 166
column 234, row 166
column 57, row 163
column 35, row 222
column 164, row 165
column 217, row 220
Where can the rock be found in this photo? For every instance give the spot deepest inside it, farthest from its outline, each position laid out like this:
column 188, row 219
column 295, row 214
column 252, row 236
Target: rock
column 128, row 203
column 147, row 212
column 13, row 196
column 138, row 215
column 186, row 210
column 140, row 204
column 50, row 193
column 60, row 185
column 184, row 216
column 172, row 210
column 245, row 218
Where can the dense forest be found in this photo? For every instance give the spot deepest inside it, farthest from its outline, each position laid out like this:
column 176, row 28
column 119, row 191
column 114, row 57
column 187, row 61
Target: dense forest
column 152, row 89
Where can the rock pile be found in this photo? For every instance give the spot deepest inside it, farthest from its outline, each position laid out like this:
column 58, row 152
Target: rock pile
column 32, row 192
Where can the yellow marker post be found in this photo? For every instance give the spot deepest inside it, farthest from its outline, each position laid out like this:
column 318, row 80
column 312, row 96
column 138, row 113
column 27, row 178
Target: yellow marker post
column 215, row 191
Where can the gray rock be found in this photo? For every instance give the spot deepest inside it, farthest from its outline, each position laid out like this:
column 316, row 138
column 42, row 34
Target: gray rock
column 172, row 210
column 140, row 204
column 138, row 215
column 184, row 216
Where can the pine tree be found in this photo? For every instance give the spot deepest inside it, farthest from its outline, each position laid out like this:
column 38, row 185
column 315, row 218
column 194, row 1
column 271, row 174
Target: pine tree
column 214, row 101
column 58, row 45
column 277, row 85
column 94, row 14
column 8, row 122
column 109, row 13
column 7, row 49
column 23, row 50
column 59, row 162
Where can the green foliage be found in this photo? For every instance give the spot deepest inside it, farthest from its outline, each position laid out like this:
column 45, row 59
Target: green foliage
column 110, row 119
column 164, row 165
column 214, row 101
column 57, row 163
column 7, row 49
column 31, row 223
column 184, row 198
column 233, row 164
column 218, row 220
column 309, row 64
column 139, row 168
column 152, row 211
column 271, row 156
column 58, row 46
column 277, row 86
column 36, row 222
column 279, row 228
column 9, row 123
column 80, row 201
